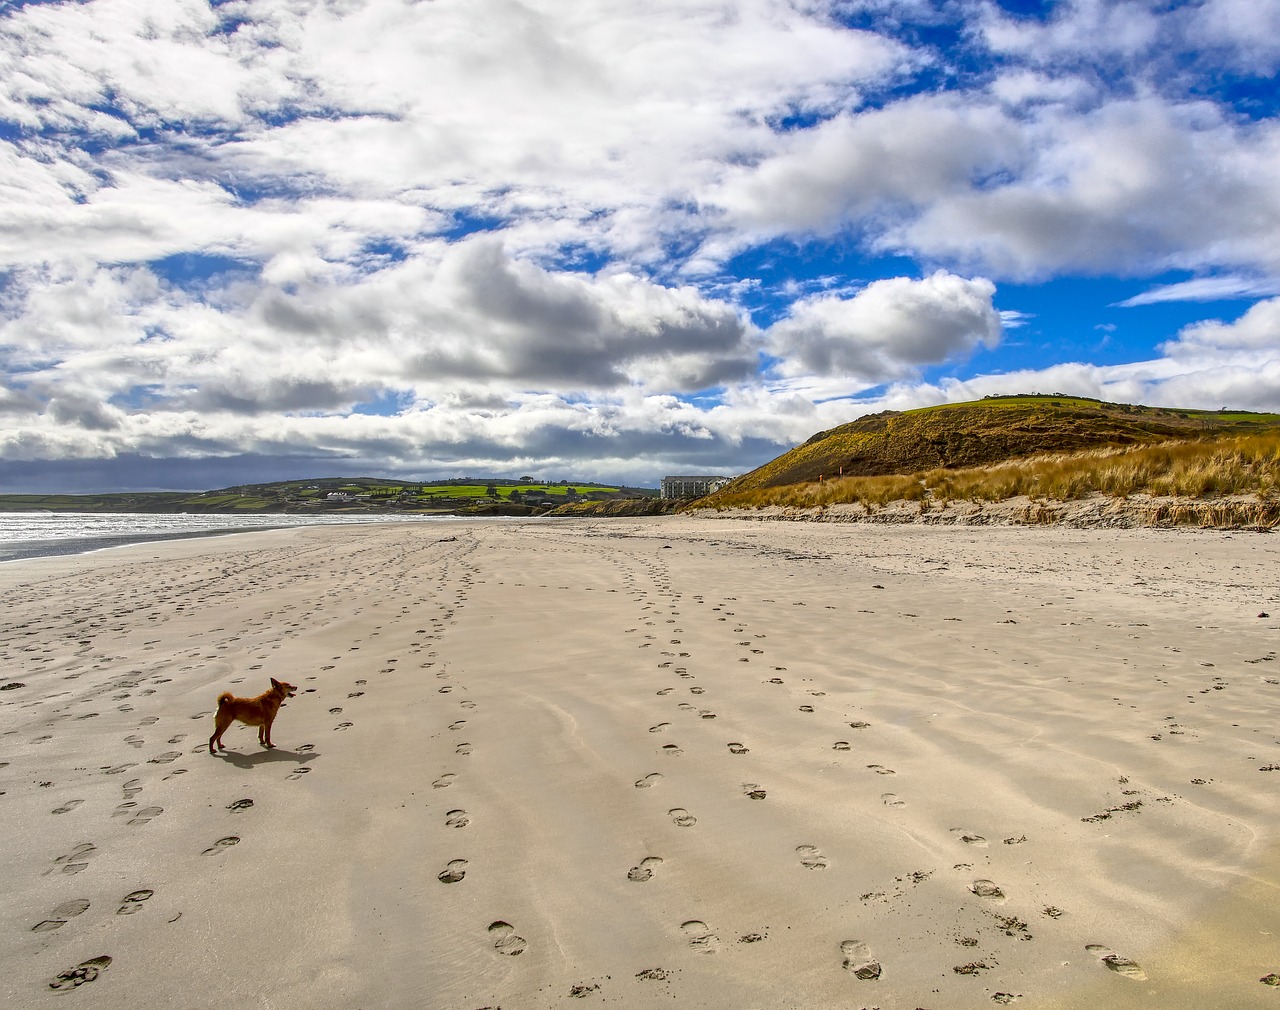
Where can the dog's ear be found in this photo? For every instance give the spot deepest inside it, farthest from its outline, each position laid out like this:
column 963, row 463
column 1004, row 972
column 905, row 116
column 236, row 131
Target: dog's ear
column 275, row 683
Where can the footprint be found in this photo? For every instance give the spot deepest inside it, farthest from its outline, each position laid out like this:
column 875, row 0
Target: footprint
column 457, row 724
column 75, row 860
column 706, row 714
column 986, row 889
column 244, row 804
column 648, row 780
column 133, row 901
column 297, row 773
column 671, row 750
column 146, row 814
column 840, row 745
column 737, row 748
column 66, row 807
column 444, row 781
column 891, row 800
column 970, row 837
column 858, row 960
column 700, row 936
column 134, row 741
column 682, row 818
column 462, row 748
column 85, row 971
column 132, row 788
column 221, row 845
column 456, row 819
column 343, row 725
column 505, row 939
column 63, row 912
column 659, row 727
column 165, row 758
column 811, row 858
column 753, row 791
column 645, row 870
column 1120, row 965
column 454, row 871
column 882, row 770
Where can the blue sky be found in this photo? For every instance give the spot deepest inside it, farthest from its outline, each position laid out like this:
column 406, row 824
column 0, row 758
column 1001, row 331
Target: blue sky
column 612, row 240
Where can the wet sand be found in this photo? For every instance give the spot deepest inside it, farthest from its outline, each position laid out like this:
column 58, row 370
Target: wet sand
column 693, row 762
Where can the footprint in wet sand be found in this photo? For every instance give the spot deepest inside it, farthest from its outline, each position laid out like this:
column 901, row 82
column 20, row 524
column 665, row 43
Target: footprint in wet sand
column 859, row 961
column 244, row 804
column 882, row 770
column 75, row 860
column 297, row 773
column 134, row 741
column 444, row 781
column 1120, row 965
column 145, row 814
column 505, row 939
column 840, row 745
column 132, row 901
column 737, row 748
column 645, row 870
column 648, row 780
column 66, row 807
column 456, row 819
column 85, row 971
column 63, row 912
column 132, row 788
column 986, row 889
column 671, row 750
column 463, row 749
column 681, row 818
column 700, row 936
column 659, row 727
column 343, row 725
column 457, row 724
column 454, row 871
column 221, row 845
column 970, row 837
column 811, row 858
column 891, row 800
column 753, row 791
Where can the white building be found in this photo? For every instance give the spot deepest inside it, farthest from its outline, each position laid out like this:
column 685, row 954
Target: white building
column 692, row 487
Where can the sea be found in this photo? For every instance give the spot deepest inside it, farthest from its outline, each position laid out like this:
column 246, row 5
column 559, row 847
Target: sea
column 26, row 535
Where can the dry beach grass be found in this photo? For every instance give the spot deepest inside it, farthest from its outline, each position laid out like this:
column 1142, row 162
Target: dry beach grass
column 667, row 761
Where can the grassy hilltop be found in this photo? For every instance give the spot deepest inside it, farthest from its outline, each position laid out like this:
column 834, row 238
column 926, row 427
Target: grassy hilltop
column 1046, row 447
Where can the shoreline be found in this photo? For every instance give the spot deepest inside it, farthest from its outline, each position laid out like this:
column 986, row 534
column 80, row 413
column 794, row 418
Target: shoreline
column 669, row 759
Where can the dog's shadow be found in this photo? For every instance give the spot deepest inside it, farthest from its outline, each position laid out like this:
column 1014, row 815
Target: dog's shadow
column 260, row 757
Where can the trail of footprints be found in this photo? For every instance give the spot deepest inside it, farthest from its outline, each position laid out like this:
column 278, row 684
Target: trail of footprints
column 160, row 591
column 655, row 615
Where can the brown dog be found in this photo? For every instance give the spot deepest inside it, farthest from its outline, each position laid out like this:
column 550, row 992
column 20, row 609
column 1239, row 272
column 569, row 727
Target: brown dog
column 260, row 711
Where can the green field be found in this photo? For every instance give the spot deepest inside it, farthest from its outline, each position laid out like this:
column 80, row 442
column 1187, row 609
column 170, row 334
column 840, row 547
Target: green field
column 347, row 495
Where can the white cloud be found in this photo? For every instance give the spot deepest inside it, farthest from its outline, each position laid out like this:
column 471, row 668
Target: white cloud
column 889, row 329
column 1258, row 329
column 1204, row 289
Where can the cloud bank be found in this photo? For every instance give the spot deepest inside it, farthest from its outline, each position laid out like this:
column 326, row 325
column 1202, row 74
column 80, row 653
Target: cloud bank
column 433, row 238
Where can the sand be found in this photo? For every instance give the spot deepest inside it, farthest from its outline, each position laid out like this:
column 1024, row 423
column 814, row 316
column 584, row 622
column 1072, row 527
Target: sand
column 650, row 763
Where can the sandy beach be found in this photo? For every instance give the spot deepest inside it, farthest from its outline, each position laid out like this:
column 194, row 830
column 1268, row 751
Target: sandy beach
column 651, row 763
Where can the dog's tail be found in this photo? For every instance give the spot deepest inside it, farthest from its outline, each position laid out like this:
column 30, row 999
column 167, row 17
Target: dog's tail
column 225, row 697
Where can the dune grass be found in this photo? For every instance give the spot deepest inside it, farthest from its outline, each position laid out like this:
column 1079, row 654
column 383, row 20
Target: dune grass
column 1241, row 465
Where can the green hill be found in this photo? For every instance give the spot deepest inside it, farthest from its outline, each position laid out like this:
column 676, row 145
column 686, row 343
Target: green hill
column 460, row 496
column 985, row 432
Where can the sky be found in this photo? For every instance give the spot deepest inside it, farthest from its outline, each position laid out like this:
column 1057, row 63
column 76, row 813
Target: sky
column 612, row 240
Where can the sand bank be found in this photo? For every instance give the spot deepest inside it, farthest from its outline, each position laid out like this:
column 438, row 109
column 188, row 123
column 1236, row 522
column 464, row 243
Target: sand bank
column 649, row 763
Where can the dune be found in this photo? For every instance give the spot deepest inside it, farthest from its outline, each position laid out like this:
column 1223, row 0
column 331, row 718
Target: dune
column 651, row 762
